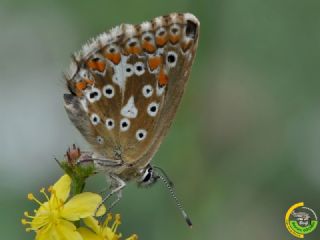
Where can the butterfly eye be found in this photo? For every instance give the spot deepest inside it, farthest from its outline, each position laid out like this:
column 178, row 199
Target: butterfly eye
column 100, row 140
column 108, row 91
column 124, row 124
column 110, row 123
column 147, row 91
column 141, row 134
column 172, row 58
column 93, row 95
column 153, row 109
column 139, row 68
column 95, row 119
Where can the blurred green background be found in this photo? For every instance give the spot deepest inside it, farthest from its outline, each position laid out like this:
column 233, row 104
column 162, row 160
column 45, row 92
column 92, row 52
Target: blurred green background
column 245, row 145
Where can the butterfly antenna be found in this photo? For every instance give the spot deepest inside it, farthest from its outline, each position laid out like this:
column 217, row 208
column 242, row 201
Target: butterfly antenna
column 165, row 175
column 169, row 185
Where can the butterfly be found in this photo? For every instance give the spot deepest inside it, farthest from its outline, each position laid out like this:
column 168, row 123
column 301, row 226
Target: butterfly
column 124, row 90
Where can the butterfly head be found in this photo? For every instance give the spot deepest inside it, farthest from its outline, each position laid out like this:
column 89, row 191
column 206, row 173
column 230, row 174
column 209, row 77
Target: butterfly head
column 147, row 177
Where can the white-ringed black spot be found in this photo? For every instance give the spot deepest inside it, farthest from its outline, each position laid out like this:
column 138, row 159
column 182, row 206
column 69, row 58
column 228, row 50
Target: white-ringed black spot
column 95, row 119
column 139, row 68
column 141, row 134
column 110, row 123
column 172, row 58
column 147, row 91
column 129, row 70
column 108, row 91
column 100, row 140
column 124, row 124
column 153, row 109
column 93, row 95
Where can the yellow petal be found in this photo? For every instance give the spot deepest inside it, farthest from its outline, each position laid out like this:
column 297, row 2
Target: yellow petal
column 133, row 237
column 47, row 233
column 62, row 188
column 102, row 210
column 92, row 223
column 81, row 206
column 88, row 235
column 67, row 231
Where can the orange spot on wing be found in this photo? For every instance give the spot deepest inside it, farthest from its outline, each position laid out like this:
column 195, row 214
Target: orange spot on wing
column 163, row 78
column 174, row 39
column 134, row 50
column 114, row 57
column 186, row 45
column 160, row 41
column 96, row 65
column 88, row 81
column 154, row 62
column 80, row 86
column 101, row 66
column 149, row 47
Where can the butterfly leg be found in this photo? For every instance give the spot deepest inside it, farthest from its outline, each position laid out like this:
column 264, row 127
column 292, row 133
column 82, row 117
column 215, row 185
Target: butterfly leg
column 117, row 184
column 100, row 162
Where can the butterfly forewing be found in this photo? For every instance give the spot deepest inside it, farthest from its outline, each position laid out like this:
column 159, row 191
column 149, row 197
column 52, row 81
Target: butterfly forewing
column 126, row 85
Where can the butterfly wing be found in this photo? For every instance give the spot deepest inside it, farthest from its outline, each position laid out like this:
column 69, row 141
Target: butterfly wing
column 126, row 85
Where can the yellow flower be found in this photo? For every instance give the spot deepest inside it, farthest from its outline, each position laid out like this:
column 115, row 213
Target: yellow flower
column 104, row 231
column 52, row 221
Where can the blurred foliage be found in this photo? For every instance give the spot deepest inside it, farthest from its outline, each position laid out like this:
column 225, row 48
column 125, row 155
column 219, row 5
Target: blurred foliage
column 244, row 146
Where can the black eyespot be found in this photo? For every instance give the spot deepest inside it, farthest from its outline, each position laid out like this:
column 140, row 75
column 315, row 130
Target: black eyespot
column 139, row 68
column 141, row 135
column 100, row 140
column 124, row 124
column 148, row 90
column 153, row 109
column 171, row 58
column 112, row 50
column 191, row 29
column 93, row 95
column 95, row 119
column 128, row 70
column 108, row 91
column 110, row 123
